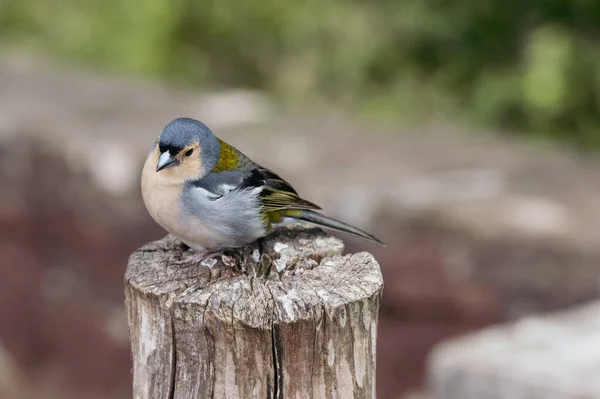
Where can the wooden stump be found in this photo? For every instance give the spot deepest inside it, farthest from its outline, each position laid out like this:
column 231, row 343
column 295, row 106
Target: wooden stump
column 295, row 320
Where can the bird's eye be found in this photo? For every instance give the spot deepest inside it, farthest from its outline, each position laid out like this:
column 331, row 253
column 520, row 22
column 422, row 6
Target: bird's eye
column 189, row 152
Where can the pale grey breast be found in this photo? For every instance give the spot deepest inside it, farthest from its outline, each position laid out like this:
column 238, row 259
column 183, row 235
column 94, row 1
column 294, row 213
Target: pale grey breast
column 225, row 217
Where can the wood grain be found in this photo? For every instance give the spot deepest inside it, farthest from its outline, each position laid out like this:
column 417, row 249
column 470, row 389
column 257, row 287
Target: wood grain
column 293, row 319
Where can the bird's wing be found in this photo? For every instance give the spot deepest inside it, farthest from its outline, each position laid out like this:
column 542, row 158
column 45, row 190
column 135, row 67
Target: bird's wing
column 218, row 184
column 275, row 194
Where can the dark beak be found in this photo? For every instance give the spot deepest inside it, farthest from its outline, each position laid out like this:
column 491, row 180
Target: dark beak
column 165, row 161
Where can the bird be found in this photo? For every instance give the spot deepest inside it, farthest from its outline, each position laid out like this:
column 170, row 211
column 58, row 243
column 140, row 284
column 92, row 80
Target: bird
column 210, row 196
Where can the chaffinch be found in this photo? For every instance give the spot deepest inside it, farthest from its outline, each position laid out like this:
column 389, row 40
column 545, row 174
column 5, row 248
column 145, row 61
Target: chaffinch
column 210, row 195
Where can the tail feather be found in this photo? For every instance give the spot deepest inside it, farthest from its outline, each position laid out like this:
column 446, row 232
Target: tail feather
column 325, row 221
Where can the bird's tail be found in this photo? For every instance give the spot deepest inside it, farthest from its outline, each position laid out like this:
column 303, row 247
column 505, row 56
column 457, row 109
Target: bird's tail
column 324, row 221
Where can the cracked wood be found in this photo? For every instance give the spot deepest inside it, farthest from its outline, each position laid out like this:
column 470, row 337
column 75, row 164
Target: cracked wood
column 297, row 320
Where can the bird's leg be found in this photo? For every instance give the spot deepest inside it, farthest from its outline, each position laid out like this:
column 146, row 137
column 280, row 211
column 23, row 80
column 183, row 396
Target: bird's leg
column 260, row 244
column 198, row 256
column 208, row 253
column 263, row 266
column 184, row 246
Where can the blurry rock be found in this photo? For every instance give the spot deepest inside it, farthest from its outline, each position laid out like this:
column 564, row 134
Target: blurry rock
column 539, row 357
column 402, row 345
column 469, row 271
column 116, row 325
column 432, row 189
column 113, row 168
column 538, row 216
column 231, row 109
column 7, row 125
column 529, row 217
column 10, row 380
column 416, row 395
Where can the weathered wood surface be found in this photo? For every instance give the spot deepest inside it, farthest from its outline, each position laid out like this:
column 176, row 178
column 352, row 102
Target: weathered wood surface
column 555, row 356
column 224, row 328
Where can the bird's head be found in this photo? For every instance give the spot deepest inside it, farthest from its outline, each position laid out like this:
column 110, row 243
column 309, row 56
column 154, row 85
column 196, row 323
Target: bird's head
column 186, row 150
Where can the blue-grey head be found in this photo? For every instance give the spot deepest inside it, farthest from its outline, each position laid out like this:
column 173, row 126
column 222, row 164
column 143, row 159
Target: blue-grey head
column 188, row 148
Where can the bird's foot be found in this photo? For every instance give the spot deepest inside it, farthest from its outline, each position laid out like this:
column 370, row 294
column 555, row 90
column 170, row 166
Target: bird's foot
column 209, row 254
column 196, row 256
column 234, row 256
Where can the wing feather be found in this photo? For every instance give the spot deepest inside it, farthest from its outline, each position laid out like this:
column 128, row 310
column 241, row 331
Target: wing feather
column 276, row 194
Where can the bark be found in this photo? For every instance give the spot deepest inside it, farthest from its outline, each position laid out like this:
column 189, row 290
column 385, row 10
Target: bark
column 289, row 318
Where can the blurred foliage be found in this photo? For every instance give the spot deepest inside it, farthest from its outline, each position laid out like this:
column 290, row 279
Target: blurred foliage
column 533, row 66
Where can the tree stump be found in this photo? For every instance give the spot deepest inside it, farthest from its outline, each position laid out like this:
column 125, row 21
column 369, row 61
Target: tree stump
column 289, row 318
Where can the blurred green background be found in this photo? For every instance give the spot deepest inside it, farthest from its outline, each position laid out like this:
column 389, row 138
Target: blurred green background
column 530, row 67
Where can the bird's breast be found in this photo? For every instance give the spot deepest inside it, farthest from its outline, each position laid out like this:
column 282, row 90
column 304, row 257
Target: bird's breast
column 199, row 218
column 231, row 220
column 162, row 199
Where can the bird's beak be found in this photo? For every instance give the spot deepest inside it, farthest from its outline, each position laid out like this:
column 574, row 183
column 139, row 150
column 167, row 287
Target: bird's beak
column 165, row 161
